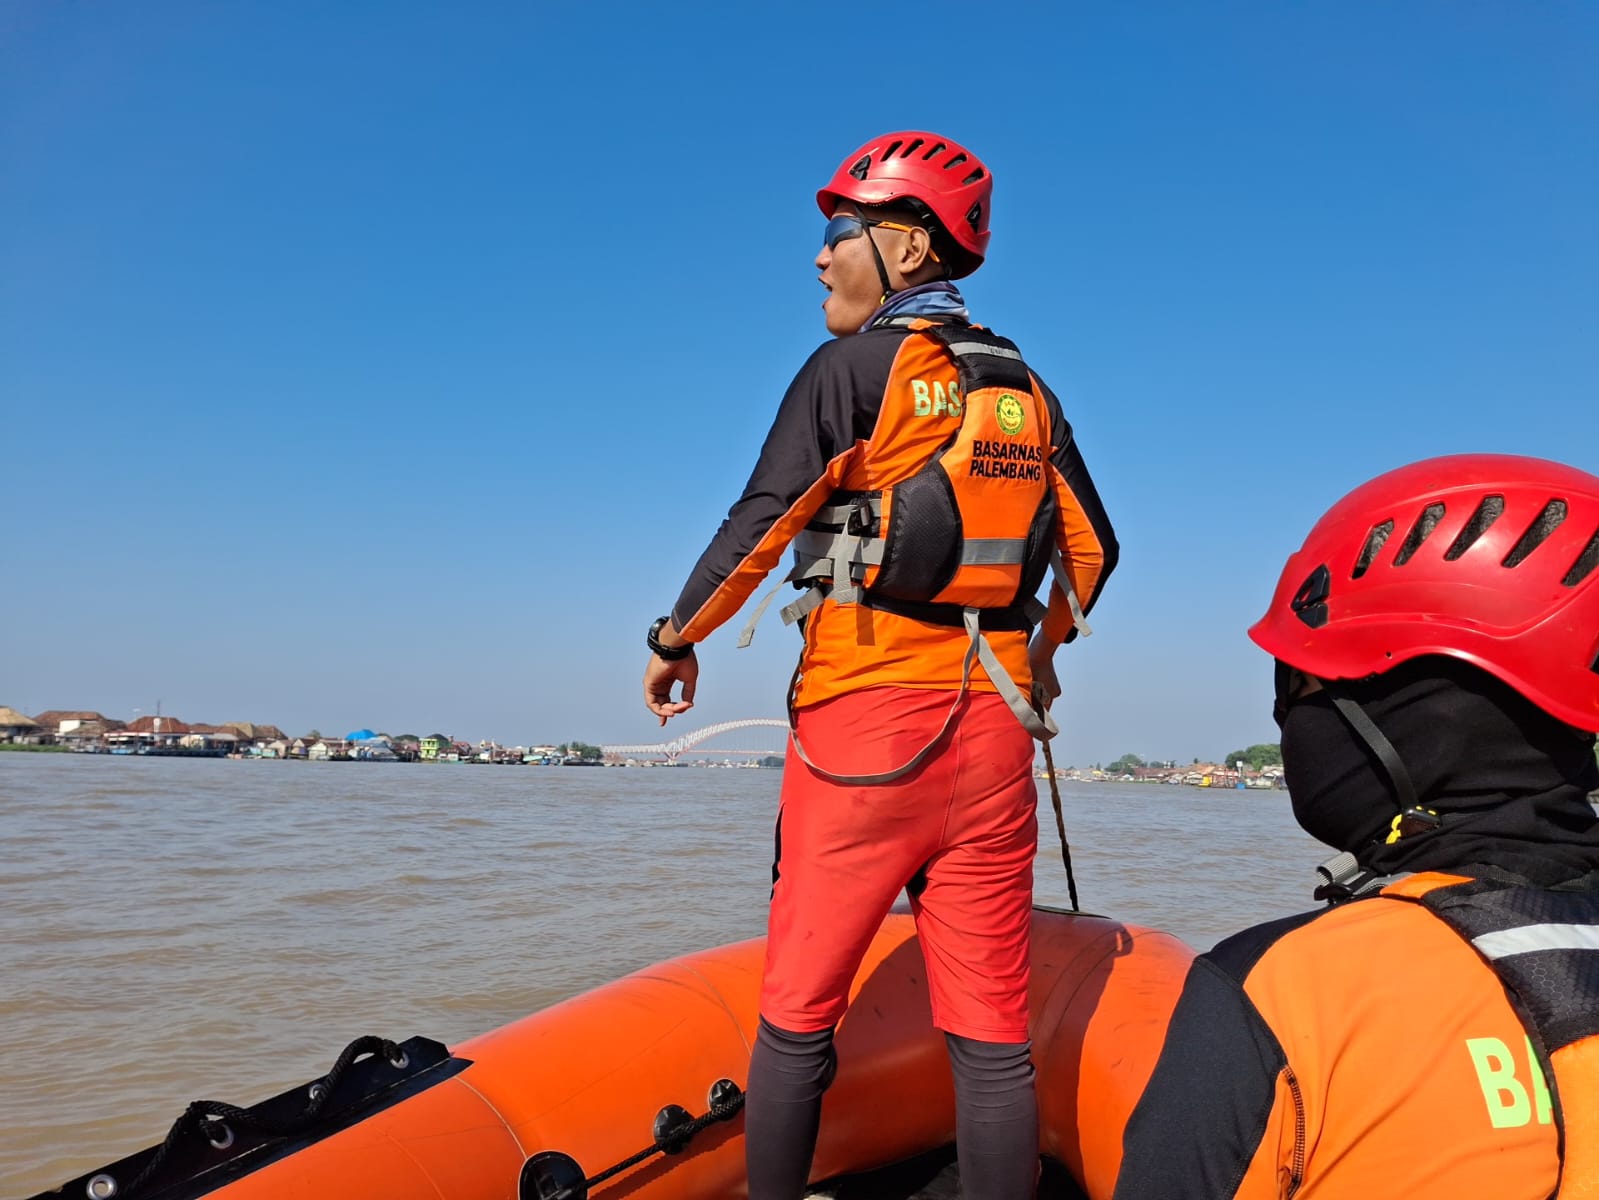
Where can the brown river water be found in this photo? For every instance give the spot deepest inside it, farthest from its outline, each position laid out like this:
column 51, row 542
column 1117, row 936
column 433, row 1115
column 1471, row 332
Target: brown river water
column 176, row 929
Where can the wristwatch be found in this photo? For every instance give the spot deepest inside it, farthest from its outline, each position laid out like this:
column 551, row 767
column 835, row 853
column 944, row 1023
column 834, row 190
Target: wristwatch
column 670, row 653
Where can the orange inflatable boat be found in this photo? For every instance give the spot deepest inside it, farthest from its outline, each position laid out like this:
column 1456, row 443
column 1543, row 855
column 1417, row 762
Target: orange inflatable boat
column 634, row 1089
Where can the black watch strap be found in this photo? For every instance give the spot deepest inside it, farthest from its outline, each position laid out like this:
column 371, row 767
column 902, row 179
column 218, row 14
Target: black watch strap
column 669, row 653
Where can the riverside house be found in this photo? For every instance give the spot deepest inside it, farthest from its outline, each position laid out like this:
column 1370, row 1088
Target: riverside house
column 16, row 727
column 80, row 729
column 148, row 733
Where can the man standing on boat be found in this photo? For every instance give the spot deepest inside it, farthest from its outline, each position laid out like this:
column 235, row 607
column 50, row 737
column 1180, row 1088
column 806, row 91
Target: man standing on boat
column 1434, row 1032
column 928, row 484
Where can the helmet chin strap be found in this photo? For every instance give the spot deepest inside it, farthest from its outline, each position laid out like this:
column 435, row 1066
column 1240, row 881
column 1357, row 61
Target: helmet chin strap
column 882, row 270
column 1404, row 787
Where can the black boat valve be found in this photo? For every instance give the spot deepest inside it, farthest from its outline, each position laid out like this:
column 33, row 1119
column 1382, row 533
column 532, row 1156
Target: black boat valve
column 672, row 1129
column 551, row 1175
column 725, row 1097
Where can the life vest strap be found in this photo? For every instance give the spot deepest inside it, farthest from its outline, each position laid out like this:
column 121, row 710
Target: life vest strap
column 1057, row 567
column 1343, row 878
column 805, row 567
column 804, row 606
column 817, row 555
column 1018, row 618
column 1040, row 725
column 747, row 634
column 984, row 359
column 865, row 509
column 977, row 650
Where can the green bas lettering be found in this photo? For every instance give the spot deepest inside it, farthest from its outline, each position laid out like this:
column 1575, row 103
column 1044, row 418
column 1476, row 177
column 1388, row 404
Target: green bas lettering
column 1507, row 1101
column 1540, row 1089
column 935, row 400
column 1509, row 1104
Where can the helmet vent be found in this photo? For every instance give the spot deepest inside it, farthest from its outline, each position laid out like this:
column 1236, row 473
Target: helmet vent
column 1488, row 511
column 973, row 177
column 1310, row 601
column 938, row 148
column 892, row 147
column 1586, row 562
column 955, row 162
column 912, row 148
column 862, row 165
column 974, row 215
column 1375, row 541
column 1419, row 533
column 1548, row 521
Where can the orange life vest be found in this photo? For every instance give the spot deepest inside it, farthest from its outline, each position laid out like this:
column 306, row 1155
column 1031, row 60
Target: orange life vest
column 961, row 537
column 970, row 527
column 1544, row 947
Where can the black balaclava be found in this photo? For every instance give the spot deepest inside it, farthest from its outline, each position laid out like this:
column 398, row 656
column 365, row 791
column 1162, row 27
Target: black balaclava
column 1509, row 782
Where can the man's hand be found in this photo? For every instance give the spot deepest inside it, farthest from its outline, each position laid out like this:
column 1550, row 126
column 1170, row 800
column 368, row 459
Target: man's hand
column 660, row 675
column 1041, row 661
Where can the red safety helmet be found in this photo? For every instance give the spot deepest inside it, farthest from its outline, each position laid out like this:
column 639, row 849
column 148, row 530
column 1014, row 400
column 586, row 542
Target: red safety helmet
column 1490, row 558
column 949, row 180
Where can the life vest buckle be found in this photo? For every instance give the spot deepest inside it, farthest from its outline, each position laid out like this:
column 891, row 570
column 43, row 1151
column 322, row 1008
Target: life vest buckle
column 1343, row 878
column 863, row 520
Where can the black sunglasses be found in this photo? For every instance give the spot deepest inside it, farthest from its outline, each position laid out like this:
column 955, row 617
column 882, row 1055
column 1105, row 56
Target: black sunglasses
column 852, row 225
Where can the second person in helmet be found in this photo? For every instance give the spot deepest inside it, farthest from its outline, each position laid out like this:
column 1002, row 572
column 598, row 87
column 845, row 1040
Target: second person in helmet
column 928, row 483
column 1434, row 1031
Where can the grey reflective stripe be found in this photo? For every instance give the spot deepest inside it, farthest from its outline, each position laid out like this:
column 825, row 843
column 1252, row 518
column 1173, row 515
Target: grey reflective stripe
column 993, row 552
column 1531, row 938
column 961, row 348
column 983, row 552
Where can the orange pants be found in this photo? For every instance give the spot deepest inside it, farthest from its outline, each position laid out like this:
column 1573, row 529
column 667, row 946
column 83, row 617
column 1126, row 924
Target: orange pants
column 965, row 821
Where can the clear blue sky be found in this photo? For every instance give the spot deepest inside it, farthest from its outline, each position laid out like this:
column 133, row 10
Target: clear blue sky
column 389, row 364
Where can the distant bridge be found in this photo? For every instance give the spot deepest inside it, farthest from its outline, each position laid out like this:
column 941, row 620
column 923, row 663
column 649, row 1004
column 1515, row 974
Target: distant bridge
column 672, row 750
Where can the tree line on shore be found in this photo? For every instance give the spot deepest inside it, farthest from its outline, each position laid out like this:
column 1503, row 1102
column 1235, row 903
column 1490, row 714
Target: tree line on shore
column 1256, row 758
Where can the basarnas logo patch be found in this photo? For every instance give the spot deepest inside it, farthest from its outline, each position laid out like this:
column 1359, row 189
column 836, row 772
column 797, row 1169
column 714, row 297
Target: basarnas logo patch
column 1009, row 413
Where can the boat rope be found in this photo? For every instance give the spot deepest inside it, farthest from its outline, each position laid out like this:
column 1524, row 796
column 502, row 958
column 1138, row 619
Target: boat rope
column 216, row 1121
column 553, row 1175
column 673, row 1132
column 1054, row 795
